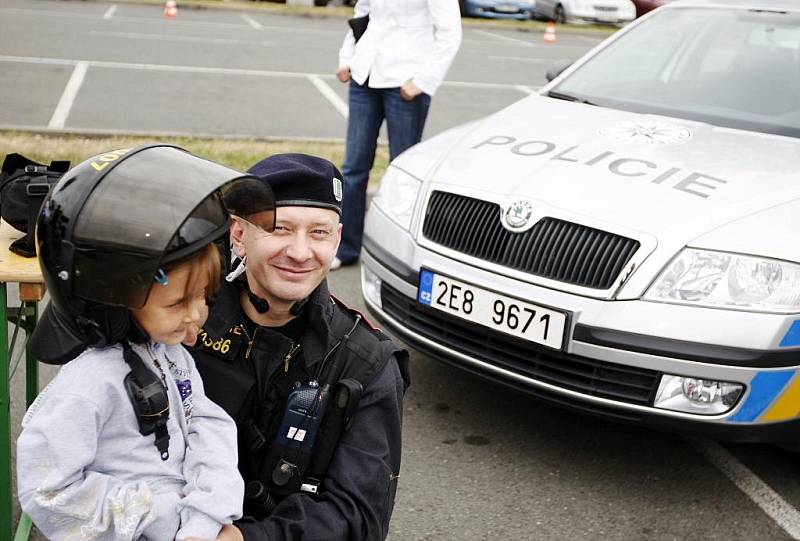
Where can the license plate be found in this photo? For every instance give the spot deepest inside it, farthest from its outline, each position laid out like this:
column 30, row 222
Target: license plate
column 606, row 14
column 505, row 314
column 506, row 8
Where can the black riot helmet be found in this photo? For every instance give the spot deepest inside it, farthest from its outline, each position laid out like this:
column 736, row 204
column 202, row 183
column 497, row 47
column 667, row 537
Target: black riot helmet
column 113, row 222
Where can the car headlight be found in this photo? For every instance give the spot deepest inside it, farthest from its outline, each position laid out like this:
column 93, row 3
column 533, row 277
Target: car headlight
column 727, row 280
column 397, row 195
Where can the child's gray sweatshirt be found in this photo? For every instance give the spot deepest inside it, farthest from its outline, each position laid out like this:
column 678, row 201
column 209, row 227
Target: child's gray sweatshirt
column 86, row 473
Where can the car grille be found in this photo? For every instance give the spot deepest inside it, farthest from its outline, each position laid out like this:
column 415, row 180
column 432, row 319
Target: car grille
column 552, row 248
column 587, row 376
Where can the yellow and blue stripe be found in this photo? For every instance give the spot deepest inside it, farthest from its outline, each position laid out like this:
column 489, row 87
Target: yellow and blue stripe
column 774, row 396
column 792, row 336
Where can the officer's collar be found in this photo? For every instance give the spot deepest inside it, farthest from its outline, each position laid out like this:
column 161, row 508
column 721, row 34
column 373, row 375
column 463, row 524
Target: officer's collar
column 317, row 311
column 227, row 311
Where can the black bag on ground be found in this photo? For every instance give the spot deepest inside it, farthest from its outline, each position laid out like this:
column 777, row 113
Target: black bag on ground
column 24, row 184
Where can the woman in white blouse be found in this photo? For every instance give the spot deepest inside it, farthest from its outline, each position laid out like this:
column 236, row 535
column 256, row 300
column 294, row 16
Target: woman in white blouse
column 393, row 70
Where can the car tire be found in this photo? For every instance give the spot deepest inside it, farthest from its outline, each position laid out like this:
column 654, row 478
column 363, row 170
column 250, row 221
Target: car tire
column 462, row 5
column 790, row 447
column 560, row 14
column 320, row 3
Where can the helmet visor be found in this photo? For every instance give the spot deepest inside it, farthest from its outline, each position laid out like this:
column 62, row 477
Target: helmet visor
column 146, row 212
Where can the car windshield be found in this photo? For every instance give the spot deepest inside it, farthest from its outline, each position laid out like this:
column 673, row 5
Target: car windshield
column 727, row 67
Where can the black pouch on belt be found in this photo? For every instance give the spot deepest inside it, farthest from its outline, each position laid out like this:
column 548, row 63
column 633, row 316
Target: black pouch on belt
column 359, row 26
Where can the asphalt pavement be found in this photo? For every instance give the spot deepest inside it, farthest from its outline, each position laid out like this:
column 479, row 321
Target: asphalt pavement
column 480, row 462
column 97, row 67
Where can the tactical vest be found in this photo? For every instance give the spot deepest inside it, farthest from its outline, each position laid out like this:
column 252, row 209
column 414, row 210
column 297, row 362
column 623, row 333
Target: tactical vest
column 364, row 355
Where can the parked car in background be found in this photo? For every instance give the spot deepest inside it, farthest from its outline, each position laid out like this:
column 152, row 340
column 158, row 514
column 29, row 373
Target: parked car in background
column 624, row 242
column 645, row 6
column 497, row 9
column 594, row 11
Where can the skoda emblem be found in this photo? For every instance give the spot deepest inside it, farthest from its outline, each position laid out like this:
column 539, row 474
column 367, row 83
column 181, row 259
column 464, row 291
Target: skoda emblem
column 518, row 215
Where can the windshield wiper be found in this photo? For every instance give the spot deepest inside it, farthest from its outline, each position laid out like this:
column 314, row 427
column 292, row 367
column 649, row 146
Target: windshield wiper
column 568, row 97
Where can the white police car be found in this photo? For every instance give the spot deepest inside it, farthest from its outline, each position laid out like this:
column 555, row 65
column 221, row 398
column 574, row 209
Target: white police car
column 626, row 242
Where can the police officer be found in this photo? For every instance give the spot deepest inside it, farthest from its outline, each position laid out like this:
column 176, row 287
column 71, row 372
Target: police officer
column 315, row 391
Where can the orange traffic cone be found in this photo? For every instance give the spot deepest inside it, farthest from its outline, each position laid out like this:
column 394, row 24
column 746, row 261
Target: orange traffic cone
column 550, row 32
column 170, row 9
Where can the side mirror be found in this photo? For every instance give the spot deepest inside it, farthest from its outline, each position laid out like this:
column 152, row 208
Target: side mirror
column 556, row 69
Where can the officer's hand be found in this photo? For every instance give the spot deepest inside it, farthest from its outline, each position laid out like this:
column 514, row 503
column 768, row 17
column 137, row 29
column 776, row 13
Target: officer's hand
column 343, row 74
column 227, row 533
column 409, row 90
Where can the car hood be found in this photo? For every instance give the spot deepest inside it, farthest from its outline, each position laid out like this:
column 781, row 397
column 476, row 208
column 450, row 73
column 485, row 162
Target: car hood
column 658, row 175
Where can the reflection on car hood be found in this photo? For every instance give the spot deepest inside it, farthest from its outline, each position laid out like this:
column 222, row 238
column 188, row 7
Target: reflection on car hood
column 662, row 176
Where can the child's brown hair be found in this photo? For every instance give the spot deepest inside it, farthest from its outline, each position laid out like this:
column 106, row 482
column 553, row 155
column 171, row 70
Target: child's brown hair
column 205, row 263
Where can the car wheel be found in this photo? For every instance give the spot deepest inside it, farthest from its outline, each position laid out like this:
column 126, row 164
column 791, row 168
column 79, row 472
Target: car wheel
column 790, row 447
column 462, row 4
column 320, row 3
column 560, row 15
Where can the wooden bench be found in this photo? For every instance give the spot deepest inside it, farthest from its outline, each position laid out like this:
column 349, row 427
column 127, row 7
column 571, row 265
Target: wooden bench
column 26, row 273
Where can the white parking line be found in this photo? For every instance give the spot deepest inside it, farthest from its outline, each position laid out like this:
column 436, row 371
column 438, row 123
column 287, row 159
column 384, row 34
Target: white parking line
column 784, row 514
column 525, row 89
column 329, row 94
column 162, row 37
column 161, row 21
column 68, row 97
column 223, row 71
column 546, row 61
column 35, row 60
column 535, row 41
column 506, row 38
column 251, row 21
column 110, row 12
column 493, row 86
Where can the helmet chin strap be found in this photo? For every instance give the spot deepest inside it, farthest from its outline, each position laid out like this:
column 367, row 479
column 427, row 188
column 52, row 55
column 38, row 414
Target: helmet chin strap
column 136, row 333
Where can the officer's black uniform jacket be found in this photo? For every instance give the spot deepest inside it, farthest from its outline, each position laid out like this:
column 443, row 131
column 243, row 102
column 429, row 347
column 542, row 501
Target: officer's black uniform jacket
column 358, row 496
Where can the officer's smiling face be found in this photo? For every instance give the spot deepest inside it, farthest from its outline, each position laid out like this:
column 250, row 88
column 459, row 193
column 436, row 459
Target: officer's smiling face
column 285, row 266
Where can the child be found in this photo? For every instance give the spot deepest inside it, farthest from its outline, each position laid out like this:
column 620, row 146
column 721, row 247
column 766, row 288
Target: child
column 123, row 443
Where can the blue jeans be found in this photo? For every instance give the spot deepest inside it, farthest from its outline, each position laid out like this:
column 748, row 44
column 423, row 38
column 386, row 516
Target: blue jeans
column 404, row 123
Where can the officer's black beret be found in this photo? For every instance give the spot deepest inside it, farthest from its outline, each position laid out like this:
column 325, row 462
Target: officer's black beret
column 300, row 180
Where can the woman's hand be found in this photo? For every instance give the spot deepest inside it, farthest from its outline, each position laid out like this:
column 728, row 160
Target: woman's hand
column 409, row 90
column 343, row 74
